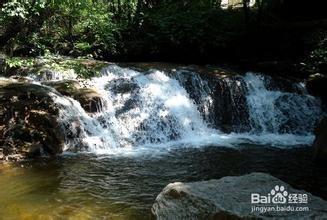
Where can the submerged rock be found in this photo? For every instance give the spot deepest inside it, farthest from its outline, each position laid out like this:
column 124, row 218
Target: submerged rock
column 320, row 143
column 230, row 198
column 28, row 121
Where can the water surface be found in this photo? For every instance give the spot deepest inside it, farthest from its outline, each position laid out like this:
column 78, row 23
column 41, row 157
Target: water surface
column 85, row 186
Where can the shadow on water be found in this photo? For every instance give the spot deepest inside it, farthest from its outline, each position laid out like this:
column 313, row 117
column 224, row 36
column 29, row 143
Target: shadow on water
column 88, row 186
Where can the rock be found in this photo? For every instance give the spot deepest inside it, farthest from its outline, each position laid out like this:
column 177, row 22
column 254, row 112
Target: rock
column 320, row 143
column 65, row 87
column 231, row 116
column 28, row 121
column 21, row 78
column 89, row 98
column 122, row 86
column 226, row 108
column 230, row 198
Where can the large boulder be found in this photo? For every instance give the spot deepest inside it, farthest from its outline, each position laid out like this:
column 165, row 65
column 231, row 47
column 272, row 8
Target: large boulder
column 320, row 143
column 230, row 198
column 28, row 121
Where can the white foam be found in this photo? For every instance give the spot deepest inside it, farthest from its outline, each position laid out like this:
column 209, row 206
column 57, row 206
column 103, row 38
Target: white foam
column 158, row 115
column 279, row 112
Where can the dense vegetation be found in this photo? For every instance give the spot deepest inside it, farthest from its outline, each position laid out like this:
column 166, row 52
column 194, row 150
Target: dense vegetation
column 185, row 30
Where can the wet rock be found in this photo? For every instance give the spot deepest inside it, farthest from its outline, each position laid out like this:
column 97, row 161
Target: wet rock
column 65, row 87
column 122, row 86
column 220, row 97
column 230, row 105
column 320, row 143
column 89, row 98
column 230, row 198
column 28, row 121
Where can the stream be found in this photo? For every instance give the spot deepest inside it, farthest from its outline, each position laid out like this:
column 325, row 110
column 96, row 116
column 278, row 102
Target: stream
column 157, row 126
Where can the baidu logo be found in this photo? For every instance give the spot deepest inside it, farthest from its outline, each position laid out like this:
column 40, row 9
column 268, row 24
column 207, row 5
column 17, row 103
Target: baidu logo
column 278, row 195
column 279, row 200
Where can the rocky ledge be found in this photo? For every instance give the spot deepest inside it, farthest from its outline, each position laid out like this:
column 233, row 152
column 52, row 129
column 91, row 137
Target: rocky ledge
column 28, row 121
column 29, row 125
column 29, row 117
column 230, row 198
column 89, row 98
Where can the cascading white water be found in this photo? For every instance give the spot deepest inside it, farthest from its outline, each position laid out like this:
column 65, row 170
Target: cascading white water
column 201, row 92
column 143, row 110
column 153, row 110
column 279, row 112
column 156, row 110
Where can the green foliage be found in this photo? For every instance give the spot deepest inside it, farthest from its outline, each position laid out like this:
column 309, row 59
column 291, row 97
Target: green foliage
column 83, row 68
column 16, row 62
column 318, row 56
column 22, row 9
column 78, row 27
column 19, row 24
column 69, row 27
column 97, row 28
column 316, row 62
column 121, row 28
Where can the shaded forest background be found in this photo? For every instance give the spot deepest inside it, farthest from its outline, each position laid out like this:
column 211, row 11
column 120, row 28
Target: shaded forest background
column 191, row 31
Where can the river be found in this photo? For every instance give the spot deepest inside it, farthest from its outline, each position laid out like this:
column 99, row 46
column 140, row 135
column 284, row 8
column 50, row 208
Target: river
column 159, row 126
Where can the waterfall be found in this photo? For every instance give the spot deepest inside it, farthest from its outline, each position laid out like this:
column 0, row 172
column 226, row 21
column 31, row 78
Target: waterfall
column 273, row 111
column 221, row 100
column 162, row 109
